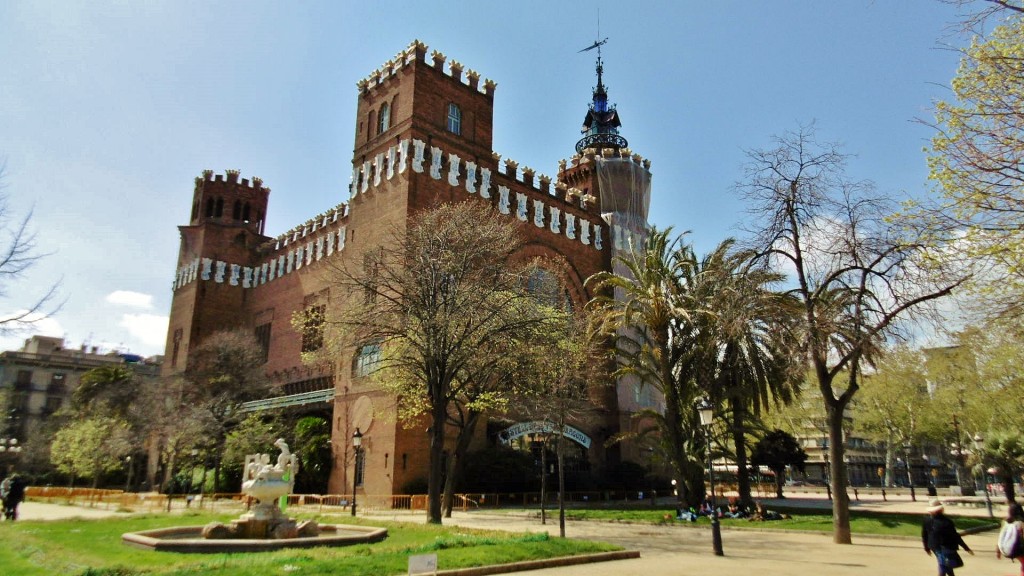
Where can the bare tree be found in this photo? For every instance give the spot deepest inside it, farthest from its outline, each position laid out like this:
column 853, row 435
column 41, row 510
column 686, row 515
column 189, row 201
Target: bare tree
column 19, row 252
column 444, row 301
column 854, row 274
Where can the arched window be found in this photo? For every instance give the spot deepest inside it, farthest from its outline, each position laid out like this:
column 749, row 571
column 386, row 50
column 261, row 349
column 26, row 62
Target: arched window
column 236, row 210
column 454, row 118
column 367, row 360
column 547, row 287
column 209, row 207
column 195, row 210
column 371, row 123
column 384, row 119
column 245, row 212
column 219, row 210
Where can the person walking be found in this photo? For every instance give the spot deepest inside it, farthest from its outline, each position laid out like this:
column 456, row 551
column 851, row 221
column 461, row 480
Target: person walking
column 1015, row 522
column 939, row 536
column 12, row 492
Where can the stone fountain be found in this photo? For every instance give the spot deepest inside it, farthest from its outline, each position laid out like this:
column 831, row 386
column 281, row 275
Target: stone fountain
column 265, row 527
column 266, row 485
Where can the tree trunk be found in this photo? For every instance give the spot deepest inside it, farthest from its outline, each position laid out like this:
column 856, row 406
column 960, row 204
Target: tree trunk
column 739, row 440
column 458, row 461
column 840, row 499
column 560, row 439
column 436, row 470
column 543, row 482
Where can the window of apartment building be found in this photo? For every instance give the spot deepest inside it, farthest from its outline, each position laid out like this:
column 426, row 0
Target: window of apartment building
column 24, row 380
column 57, row 382
column 263, row 337
column 367, row 359
column 384, row 119
column 454, row 118
column 53, row 403
column 313, row 327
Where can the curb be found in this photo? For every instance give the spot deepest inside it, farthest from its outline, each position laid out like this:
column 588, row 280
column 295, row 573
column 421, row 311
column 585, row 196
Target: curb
column 541, row 564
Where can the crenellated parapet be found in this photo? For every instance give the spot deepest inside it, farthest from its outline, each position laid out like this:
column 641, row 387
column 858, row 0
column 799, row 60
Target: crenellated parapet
column 416, row 53
column 307, row 244
column 520, row 193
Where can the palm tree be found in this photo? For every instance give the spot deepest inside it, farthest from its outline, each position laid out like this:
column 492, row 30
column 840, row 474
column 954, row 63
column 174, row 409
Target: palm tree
column 644, row 306
column 744, row 346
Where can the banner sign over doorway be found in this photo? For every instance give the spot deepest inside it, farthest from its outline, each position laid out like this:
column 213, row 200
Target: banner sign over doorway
column 543, row 427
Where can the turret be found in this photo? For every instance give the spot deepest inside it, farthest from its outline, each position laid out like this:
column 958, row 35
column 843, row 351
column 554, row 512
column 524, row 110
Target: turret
column 223, row 199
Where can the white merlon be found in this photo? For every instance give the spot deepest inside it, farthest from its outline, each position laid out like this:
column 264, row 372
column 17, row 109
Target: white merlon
column 485, row 182
column 207, row 264
column 353, row 186
column 391, row 162
column 341, row 239
column 220, row 268
column 236, row 275
column 282, row 264
column 320, row 248
column 453, row 169
column 538, row 213
column 419, row 149
column 403, row 155
column 585, row 232
column 435, row 162
column 470, row 176
column 299, row 257
column 378, row 164
column 570, row 226
column 521, row 206
column 366, row 177
column 555, row 225
column 597, row 237
column 289, row 264
column 309, row 254
column 503, row 200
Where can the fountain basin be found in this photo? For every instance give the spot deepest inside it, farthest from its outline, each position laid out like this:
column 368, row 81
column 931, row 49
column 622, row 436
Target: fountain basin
column 189, row 539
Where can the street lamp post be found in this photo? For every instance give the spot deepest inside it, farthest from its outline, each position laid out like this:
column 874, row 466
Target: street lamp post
column 706, row 418
column 10, row 446
column 128, row 480
column 979, row 445
column 357, row 442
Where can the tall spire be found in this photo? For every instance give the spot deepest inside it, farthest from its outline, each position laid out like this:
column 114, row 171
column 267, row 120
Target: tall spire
column 601, row 124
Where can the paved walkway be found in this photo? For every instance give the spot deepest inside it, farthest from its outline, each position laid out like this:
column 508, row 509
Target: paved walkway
column 675, row 550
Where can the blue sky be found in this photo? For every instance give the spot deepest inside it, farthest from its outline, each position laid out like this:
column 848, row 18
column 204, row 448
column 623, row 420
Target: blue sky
column 109, row 110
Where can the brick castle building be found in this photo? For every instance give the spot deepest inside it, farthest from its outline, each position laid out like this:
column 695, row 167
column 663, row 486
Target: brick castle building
column 423, row 137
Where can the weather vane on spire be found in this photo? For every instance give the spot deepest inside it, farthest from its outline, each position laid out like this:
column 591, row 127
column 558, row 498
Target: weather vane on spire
column 601, row 124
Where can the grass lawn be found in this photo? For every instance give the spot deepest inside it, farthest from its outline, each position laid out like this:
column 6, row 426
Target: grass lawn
column 867, row 523
column 94, row 548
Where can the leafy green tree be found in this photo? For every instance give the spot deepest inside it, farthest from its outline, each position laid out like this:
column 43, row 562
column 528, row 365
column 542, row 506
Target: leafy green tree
column 225, row 370
column 778, row 450
column 853, row 273
column 893, row 404
column 106, row 390
column 443, row 300
column 1004, row 450
column 977, row 160
column 90, row 447
column 567, row 369
column 313, row 446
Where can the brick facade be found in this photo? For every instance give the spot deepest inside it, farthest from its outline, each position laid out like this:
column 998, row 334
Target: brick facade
column 422, row 154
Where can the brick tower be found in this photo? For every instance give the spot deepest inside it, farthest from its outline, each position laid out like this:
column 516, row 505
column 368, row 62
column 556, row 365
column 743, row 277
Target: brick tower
column 225, row 227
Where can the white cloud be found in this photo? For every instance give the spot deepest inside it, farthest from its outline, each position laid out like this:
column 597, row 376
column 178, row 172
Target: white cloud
column 129, row 298
column 150, row 329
